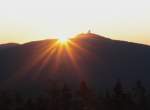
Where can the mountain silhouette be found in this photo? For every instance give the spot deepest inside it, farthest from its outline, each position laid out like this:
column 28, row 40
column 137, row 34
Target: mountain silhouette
column 98, row 60
column 9, row 45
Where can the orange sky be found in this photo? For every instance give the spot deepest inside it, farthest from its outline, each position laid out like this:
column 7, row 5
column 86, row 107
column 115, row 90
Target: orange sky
column 27, row 20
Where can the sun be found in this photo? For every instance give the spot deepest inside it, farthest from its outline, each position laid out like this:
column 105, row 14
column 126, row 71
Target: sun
column 63, row 40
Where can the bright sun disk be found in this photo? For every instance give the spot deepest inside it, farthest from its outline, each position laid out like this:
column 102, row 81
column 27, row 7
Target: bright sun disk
column 63, row 40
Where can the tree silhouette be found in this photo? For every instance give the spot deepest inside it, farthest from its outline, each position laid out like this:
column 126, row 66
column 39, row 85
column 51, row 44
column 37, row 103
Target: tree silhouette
column 88, row 98
column 66, row 98
column 118, row 96
column 54, row 96
column 107, row 100
column 118, row 89
column 140, row 96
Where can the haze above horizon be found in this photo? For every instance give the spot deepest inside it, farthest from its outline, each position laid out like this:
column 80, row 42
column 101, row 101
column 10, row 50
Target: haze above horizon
column 28, row 20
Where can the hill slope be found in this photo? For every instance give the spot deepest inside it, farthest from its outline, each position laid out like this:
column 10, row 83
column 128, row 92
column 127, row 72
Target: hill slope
column 9, row 45
column 98, row 60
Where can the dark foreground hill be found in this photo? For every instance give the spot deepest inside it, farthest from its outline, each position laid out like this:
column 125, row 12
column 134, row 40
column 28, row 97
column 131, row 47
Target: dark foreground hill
column 97, row 60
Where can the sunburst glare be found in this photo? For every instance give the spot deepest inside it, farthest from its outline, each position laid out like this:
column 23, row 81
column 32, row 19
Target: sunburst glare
column 63, row 39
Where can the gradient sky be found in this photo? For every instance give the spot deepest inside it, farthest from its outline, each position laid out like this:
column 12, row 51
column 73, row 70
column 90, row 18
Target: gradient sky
column 27, row 20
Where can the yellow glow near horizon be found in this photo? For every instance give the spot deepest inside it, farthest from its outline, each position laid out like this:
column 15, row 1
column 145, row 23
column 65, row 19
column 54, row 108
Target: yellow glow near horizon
column 29, row 20
column 63, row 39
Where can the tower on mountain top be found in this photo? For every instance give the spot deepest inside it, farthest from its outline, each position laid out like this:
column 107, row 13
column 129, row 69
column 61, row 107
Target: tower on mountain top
column 89, row 31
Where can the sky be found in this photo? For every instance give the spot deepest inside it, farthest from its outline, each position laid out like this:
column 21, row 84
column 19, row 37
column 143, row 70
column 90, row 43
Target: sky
column 29, row 20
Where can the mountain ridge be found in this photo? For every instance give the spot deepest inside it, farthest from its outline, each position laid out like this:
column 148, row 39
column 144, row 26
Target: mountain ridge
column 81, row 35
column 99, row 61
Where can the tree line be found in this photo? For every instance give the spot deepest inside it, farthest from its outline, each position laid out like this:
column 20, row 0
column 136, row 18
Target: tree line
column 85, row 98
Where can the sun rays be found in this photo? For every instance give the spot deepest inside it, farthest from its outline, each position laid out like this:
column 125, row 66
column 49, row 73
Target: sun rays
column 54, row 55
column 63, row 40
